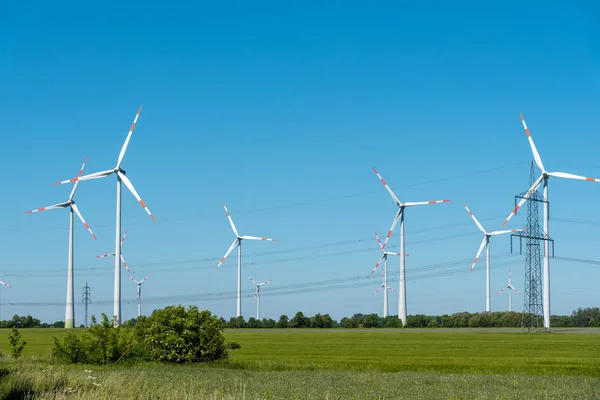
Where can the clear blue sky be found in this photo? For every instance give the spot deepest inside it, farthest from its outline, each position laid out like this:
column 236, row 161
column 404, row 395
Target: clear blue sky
column 281, row 111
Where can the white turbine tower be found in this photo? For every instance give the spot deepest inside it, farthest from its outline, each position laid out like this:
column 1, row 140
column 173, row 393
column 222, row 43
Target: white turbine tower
column 121, row 177
column 139, row 293
column 257, row 295
column 544, row 178
column 511, row 289
column 402, row 312
column 383, row 258
column 486, row 243
column 122, row 258
column 238, row 242
column 70, row 307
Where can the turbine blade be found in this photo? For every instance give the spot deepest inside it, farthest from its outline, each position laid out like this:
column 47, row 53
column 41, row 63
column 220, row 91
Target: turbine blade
column 105, row 255
column 77, row 183
column 74, row 206
column 396, row 219
column 124, row 148
column 378, row 289
column 230, row 220
column 501, row 290
column 572, row 176
column 264, row 283
column 536, row 155
column 532, row 189
column 228, row 251
column 5, row 284
column 483, row 242
column 95, row 175
column 254, row 298
column 124, row 264
column 475, row 219
column 387, row 187
column 145, row 279
column 256, row 238
column 379, row 241
column 129, row 185
column 424, row 203
column 395, row 254
column 253, row 281
column 507, row 231
column 60, row 205
column 123, row 238
column 389, row 287
column 515, row 289
column 378, row 263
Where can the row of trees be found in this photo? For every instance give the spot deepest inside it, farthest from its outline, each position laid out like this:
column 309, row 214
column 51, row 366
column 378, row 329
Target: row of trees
column 28, row 321
column 582, row 318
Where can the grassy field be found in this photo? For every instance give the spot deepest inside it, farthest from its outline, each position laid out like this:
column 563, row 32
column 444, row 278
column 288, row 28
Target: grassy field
column 307, row 364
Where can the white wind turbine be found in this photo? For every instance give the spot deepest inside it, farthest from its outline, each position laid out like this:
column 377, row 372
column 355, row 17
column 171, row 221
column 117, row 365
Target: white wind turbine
column 121, row 177
column 511, row 289
column 257, row 295
column 383, row 258
column 402, row 312
column 70, row 203
column 139, row 293
column 486, row 243
column 122, row 258
column 544, row 178
column 238, row 242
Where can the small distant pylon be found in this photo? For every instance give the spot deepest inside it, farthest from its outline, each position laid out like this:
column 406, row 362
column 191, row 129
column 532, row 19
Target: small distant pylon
column 87, row 299
column 533, row 318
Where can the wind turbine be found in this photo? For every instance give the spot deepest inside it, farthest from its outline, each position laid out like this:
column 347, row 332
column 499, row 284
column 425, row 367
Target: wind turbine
column 510, row 288
column 7, row 285
column 70, row 203
column 402, row 313
column 544, row 178
column 139, row 293
column 238, row 242
column 383, row 258
column 257, row 295
column 122, row 259
column 486, row 243
column 121, row 177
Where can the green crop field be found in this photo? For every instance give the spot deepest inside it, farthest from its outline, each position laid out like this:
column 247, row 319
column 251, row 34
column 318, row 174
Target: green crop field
column 337, row 363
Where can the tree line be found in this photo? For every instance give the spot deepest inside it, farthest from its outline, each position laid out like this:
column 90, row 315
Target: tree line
column 580, row 318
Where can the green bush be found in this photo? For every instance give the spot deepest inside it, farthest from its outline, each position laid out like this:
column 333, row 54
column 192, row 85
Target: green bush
column 103, row 343
column 16, row 342
column 177, row 335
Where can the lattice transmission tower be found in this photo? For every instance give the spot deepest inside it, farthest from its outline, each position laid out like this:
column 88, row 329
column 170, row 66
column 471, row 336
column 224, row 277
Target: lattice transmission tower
column 533, row 318
column 87, row 299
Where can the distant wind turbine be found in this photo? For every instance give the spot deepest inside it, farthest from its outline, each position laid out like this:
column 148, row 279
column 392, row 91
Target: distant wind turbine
column 257, row 295
column 70, row 203
column 238, row 242
column 486, row 243
column 122, row 258
column 511, row 289
column 6, row 285
column 121, row 177
column 544, row 178
column 139, row 293
column 402, row 312
column 383, row 258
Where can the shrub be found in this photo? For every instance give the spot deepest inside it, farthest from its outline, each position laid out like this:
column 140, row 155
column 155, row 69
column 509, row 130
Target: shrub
column 103, row 343
column 177, row 335
column 16, row 342
column 233, row 345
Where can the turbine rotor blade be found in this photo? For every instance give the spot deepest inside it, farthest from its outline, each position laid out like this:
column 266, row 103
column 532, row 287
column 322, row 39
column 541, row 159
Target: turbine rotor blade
column 228, row 251
column 475, row 219
column 55, row 206
column 507, row 231
column 424, row 203
column 74, row 207
column 387, row 187
column 572, row 176
column 5, row 284
column 531, row 190
column 77, row 183
column 483, row 243
column 95, row 175
column 378, row 263
column 230, row 220
column 256, row 238
column 536, row 155
column 125, row 264
column 379, row 241
column 129, row 185
column 396, row 219
column 124, row 148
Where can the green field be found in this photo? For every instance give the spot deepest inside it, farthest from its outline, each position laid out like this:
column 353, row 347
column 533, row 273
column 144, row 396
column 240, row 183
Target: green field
column 337, row 363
